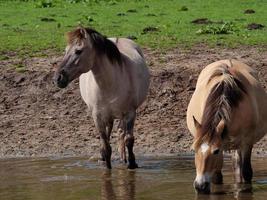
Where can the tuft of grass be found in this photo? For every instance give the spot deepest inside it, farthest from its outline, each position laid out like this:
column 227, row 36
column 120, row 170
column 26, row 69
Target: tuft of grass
column 226, row 28
column 44, row 4
column 20, row 68
column 183, row 8
column 4, row 57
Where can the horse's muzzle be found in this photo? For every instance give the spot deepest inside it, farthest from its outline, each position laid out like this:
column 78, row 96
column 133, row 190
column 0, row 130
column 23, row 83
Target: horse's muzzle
column 61, row 80
column 203, row 188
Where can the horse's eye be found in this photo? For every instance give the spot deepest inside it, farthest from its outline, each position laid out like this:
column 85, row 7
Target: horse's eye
column 78, row 51
column 216, row 151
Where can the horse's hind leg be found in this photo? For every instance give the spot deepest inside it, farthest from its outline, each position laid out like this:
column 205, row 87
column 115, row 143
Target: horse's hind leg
column 242, row 165
column 129, row 140
column 217, row 177
column 121, row 132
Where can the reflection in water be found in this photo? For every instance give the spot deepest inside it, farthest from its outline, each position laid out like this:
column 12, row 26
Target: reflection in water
column 223, row 197
column 76, row 178
column 241, row 192
column 122, row 187
column 126, row 187
column 107, row 191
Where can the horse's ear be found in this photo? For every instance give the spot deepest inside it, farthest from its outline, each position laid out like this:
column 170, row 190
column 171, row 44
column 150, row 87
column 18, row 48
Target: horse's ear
column 78, row 34
column 83, row 32
column 220, row 127
column 196, row 123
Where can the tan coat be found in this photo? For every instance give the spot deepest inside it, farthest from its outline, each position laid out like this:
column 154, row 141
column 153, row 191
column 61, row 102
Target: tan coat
column 249, row 120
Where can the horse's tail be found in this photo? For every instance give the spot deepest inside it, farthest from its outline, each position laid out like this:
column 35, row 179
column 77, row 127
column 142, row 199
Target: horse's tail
column 139, row 50
column 224, row 95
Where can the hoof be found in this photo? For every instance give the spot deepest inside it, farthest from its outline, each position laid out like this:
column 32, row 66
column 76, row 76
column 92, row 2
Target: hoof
column 108, row 165
column 123, row 161
column 132, row 166
column 104, row 163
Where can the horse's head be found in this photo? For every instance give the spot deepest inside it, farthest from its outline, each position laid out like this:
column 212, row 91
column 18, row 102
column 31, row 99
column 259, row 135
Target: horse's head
column 85, row 49
column 78, row 57
column 208, row 149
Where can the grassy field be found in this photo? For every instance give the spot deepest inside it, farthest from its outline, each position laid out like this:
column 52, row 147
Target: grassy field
column 28, row 26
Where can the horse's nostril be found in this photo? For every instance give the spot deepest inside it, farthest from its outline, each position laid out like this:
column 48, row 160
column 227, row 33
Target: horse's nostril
column 203, row 188
column 60, row 78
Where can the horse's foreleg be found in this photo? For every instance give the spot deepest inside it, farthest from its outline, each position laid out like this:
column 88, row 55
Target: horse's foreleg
column 105, row 149
column 247, row 172
column 217, row 177
column 129, row 140
column 237, row 163
column 121, row 148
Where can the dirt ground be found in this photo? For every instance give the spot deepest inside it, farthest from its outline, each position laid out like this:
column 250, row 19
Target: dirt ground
column 39, row 119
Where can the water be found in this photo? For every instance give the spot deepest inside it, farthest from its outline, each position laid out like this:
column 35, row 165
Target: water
column 80, row 179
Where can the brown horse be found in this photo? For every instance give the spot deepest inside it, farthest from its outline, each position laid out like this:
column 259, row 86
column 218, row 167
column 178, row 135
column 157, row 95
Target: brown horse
column 114, row 81
column 228, row 111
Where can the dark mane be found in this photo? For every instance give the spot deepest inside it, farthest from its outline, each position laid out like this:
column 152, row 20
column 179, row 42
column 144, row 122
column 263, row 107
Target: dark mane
column 224, row 96
column 100, row 43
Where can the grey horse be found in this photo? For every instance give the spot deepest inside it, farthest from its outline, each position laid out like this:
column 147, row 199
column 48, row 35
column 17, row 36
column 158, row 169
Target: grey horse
column 114, row 82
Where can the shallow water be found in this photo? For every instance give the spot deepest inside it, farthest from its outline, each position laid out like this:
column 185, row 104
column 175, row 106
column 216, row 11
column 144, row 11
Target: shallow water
column 80, row 179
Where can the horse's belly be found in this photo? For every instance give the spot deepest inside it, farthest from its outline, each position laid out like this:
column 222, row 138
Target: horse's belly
column 120, row 99
column 120, row 107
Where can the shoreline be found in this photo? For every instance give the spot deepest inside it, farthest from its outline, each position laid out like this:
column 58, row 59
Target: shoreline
column 37, row 118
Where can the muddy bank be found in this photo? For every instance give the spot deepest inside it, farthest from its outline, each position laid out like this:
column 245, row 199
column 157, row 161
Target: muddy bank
column 38, row 119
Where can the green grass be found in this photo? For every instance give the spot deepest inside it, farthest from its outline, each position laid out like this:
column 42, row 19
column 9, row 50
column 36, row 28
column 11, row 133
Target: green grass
column 27, row 27
column 20, row 68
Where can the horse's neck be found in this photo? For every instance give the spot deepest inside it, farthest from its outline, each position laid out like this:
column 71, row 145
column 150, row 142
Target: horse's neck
column 105, row 74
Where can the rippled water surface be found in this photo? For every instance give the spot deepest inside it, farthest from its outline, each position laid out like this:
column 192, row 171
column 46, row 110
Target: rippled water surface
column 80, row 179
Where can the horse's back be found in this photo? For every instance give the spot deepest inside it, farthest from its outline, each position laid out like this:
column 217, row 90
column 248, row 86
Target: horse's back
column 135, row 66
column 128, row 47
column 253, row 106
column 236, row 67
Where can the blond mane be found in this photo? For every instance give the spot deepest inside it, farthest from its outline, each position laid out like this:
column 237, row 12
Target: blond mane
column 224, row 96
